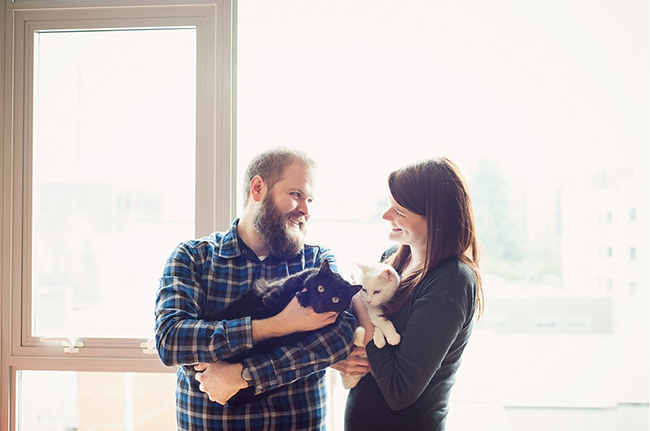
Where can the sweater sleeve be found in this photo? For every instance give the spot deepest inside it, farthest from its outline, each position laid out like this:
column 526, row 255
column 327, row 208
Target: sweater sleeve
column 403, row 372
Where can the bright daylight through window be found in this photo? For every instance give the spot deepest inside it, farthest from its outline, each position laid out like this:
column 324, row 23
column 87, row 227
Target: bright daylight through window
column 544, row 107
column 116, row 128
column 114, row 123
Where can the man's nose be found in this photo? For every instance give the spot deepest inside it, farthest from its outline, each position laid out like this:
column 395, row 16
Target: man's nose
column 303, row 207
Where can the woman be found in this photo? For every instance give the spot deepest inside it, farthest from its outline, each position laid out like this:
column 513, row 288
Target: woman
column 440, row 293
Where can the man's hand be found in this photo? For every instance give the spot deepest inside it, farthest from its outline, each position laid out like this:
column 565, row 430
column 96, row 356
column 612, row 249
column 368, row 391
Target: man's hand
column 356, row 364
column 294, row 318
column 220, row 380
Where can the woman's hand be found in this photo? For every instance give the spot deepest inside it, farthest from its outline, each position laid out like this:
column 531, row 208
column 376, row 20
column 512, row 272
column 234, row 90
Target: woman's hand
column 363, row 317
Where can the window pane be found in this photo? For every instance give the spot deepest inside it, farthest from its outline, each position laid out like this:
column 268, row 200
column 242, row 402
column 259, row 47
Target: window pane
column 63, row 401
column 114, row 174
column 551, row 133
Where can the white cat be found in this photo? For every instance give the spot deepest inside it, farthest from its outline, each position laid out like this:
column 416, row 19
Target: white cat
column 380, row 281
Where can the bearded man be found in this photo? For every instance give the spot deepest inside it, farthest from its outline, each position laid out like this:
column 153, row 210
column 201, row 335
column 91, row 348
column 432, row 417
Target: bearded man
column 266, row 241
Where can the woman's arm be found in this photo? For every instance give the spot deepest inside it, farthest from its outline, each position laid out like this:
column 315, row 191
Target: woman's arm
column 404, row 371
column 357, row 363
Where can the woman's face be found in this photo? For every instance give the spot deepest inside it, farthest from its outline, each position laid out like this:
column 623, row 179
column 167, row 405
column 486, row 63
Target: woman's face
column 406, row 227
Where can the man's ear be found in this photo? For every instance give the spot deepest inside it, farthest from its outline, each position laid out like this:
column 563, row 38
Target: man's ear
column 258, row 188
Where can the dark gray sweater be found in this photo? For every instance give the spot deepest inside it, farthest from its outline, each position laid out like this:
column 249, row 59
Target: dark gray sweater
column 410, row 383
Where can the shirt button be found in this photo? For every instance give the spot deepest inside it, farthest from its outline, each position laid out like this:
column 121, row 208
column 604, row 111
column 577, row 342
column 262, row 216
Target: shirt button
column 244, row 251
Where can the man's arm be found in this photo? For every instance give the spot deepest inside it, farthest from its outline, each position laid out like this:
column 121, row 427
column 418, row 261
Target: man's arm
column 317, row 351
column 181, row 337
column 294, row 318
column 222, row 380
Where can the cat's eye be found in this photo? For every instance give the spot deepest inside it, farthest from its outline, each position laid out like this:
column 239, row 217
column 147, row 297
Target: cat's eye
column 321, row 289
column 335, row 299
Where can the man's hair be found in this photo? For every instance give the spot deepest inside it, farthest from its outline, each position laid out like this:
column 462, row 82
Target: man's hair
column 270, row 165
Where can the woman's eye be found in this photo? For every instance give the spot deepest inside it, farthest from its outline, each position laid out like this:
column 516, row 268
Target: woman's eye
column 335, row 299
column 321, row 289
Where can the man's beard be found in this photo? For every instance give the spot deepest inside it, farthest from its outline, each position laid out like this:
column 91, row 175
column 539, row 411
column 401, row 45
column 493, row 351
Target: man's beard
column 284, row 240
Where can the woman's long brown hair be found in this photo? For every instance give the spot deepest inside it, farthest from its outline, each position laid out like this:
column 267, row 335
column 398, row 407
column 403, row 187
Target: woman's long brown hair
column 436, row 190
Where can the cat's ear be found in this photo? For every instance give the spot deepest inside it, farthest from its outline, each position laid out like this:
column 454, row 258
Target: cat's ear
column 362, row 266
column 354, row 289
column 387, row 274
column 325, row 266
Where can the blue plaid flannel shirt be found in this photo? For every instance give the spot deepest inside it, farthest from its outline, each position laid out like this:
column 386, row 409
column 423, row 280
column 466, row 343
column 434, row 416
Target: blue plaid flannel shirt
column 210, row 273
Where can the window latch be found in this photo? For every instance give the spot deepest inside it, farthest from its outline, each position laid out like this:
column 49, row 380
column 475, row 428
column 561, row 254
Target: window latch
column 149, row 346
column 70, row 345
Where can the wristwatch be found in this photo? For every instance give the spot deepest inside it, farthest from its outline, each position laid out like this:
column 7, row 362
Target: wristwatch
column 246, row 375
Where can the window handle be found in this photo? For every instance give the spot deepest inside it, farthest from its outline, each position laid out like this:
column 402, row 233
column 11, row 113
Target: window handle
column 149, row 346
column 70, row 345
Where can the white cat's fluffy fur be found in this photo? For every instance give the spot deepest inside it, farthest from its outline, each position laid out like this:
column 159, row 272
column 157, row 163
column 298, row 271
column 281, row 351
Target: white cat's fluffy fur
column 380, row 282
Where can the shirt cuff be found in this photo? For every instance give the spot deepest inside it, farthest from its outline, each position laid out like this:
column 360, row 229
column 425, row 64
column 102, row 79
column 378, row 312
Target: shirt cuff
column 239, row 333
column 264, row 376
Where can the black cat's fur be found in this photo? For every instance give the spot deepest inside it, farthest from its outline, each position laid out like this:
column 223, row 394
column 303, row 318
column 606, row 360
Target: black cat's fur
column 320, row 288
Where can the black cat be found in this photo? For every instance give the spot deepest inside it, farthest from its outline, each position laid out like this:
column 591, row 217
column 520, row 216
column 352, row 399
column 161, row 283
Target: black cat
column 319, row 288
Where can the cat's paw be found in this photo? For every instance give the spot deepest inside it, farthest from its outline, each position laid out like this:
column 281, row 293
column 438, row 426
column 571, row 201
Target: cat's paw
column 350, row 382
column 380, row 341
column 303, row 298
column 359, row 336
column 393, row 339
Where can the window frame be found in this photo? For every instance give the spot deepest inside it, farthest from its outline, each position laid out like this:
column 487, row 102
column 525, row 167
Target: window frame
column 215, row 155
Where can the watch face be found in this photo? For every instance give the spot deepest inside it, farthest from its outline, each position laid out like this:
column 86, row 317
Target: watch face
column 246, row 375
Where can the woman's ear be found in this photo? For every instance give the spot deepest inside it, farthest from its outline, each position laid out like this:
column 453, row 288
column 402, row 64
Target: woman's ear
column 258, row 188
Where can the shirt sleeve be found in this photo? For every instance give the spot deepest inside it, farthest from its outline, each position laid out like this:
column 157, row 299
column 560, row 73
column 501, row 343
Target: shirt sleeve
column 404, row 371
column 181, row 337
column 315, row 352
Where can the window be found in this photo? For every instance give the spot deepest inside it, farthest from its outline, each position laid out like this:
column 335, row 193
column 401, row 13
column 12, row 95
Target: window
column 116, row 146
column 544, row 108
column 114, row 118
column 96, row 400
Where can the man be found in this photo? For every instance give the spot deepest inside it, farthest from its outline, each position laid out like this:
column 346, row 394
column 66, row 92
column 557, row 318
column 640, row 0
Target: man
column 266, row 241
